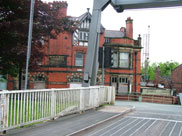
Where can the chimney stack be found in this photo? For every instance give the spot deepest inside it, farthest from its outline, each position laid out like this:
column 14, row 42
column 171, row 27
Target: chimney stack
column 129, row 28
column 63, row 9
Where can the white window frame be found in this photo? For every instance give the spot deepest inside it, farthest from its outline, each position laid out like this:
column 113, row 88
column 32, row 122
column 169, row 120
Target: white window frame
column 79, row 59
column 83, row 36
column 124, row 62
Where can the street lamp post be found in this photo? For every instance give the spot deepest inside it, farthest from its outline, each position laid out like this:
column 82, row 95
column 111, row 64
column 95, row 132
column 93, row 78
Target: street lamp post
column 29, row 41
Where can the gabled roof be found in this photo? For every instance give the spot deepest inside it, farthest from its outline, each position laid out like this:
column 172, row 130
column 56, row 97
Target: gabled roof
column 83, row 17
column 114, row 34
column 180, row 66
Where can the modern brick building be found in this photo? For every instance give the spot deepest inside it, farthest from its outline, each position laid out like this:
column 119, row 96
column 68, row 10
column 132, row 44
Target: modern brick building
column 64, row 59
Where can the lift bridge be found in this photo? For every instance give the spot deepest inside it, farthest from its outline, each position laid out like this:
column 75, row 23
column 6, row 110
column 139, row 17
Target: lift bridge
column 91, row 67
column 18, row 108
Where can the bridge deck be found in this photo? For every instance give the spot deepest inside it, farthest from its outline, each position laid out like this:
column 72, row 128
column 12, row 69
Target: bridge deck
column 69, row 124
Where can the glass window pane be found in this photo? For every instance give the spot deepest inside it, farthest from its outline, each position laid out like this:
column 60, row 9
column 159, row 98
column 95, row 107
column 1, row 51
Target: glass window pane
column 88, row 24
column 79, row 59
column 85, row 36
column 79, row 55
column 80, row 36
column 124, row 60
column 112, row 79
column 124, row 56
column 86, row 44
column 79, row 62
column 115, row 59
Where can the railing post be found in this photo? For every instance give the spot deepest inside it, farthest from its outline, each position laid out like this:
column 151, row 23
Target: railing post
column 81, row 100
column 53, row 103
column 113, row 95
column 6, row 109
column 91, row 97
column 109, row 94
column 97, row 97
column 3, row 112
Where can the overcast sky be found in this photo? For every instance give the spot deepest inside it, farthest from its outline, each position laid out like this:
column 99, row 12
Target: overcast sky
column 165, row 27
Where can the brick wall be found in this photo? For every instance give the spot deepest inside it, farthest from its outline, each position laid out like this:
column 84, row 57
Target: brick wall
column 177, row 78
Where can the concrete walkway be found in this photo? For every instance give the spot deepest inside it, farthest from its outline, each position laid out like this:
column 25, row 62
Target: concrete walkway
column 72, row 124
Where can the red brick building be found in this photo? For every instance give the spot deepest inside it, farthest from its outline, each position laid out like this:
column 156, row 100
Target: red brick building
column 173, row 82
column 160, row 81
column 64, row 60
column 176, row 78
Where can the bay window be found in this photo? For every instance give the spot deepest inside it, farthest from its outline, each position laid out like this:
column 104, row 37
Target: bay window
column 122, row 60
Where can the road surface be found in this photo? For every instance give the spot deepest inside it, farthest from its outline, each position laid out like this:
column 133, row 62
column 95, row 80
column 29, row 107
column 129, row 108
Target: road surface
column 148, row 120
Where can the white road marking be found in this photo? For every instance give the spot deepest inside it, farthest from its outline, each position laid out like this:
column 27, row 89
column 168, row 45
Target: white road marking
column 150, row 126
column 123, row 127
column 160, row 114
column 156, row 119
column 164, row 128
column 108, row 126
column 112, row 128
column 180, row 132
column 139, row 128
column 172, row 129
column 132, row 127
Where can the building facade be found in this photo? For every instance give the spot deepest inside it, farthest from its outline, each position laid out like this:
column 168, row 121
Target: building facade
column 176, row 78
column 64, row 58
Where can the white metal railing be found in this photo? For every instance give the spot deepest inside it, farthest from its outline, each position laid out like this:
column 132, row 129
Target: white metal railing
column 18, row 108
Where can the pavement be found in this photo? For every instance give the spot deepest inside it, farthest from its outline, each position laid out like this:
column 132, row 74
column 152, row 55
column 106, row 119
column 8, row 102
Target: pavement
column 73, row 124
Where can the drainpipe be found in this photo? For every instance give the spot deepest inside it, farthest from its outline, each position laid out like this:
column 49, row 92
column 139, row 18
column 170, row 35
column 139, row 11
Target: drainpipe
column 135, row 70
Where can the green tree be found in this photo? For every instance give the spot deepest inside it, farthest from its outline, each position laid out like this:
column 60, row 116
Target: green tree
column 151, row 71
column 165, row 68
column 14, row 22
